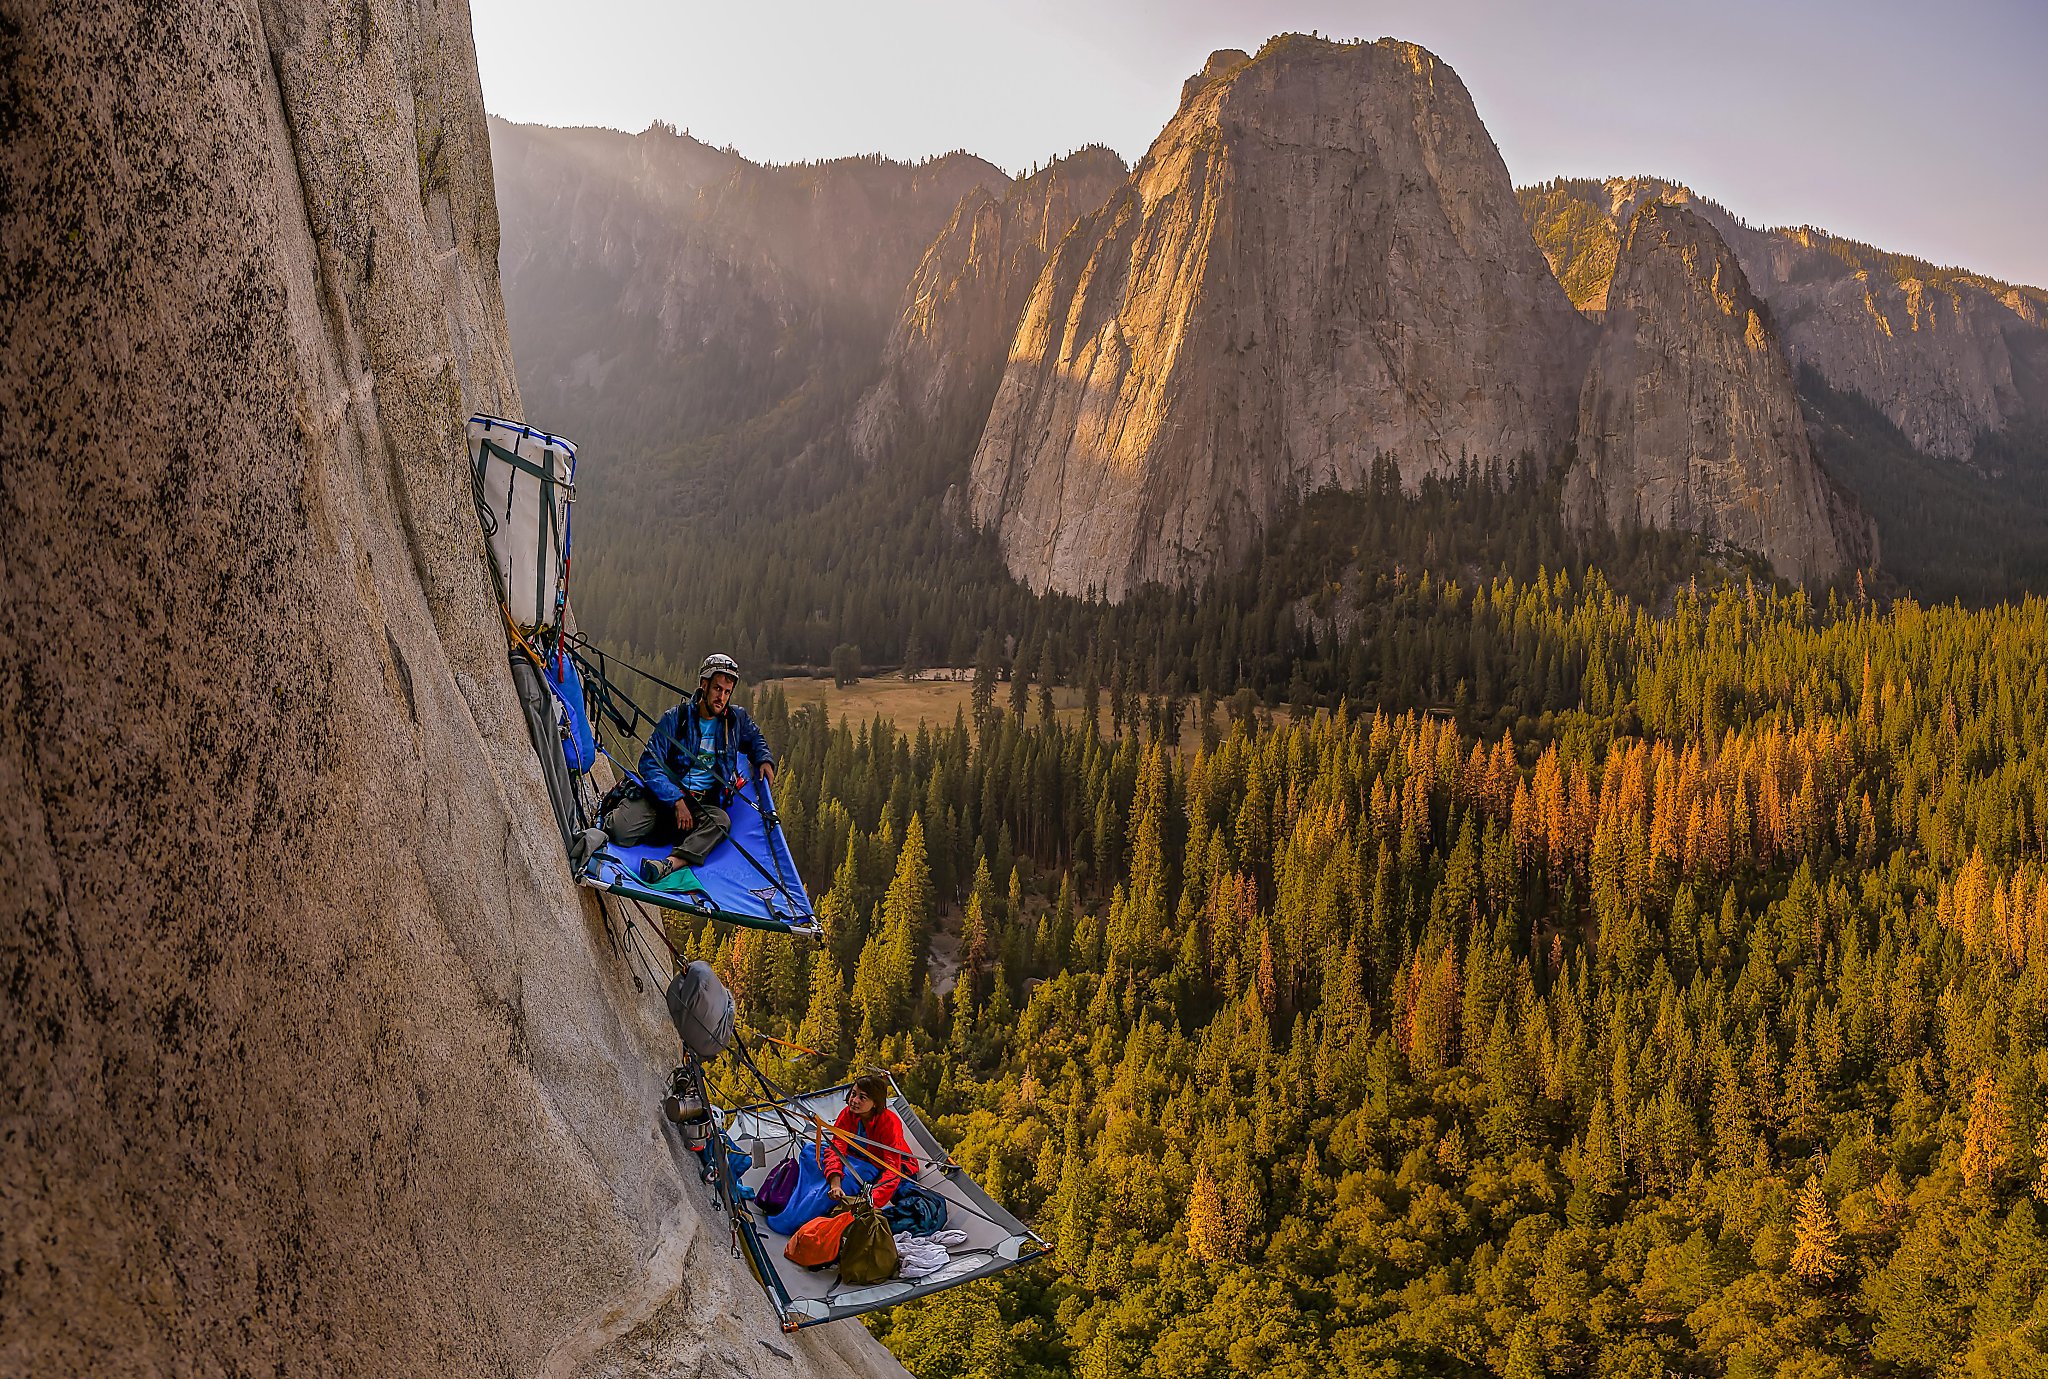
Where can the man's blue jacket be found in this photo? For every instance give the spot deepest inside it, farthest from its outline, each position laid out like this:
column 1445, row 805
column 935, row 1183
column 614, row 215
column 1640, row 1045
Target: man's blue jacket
column 667, row 756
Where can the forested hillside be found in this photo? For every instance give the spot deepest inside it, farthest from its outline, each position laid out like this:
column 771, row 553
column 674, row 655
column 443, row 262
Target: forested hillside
column 1697, row 1024
column 1976, row 531
column 1332, row 604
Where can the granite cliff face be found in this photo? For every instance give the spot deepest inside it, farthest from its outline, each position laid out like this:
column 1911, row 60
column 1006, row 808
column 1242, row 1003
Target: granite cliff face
column 313, row 1060
column 1945, row 354
column 947, row 349
column 1319, row 260
column 1688, row 419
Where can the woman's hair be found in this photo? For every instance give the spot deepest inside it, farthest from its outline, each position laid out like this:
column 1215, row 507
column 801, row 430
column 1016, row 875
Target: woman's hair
column 875, row 1087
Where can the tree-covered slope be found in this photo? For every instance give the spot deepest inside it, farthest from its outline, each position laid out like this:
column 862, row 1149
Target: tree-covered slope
column 1696, row 1027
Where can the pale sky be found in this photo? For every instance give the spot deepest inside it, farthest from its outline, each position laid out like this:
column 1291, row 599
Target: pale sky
column 1921, row 128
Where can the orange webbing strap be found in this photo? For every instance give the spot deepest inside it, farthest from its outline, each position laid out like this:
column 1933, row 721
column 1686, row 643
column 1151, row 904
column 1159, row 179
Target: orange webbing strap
column 854, row 1143
column 787, row 1044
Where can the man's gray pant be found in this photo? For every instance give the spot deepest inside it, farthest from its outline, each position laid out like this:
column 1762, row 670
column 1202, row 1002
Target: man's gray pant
column 648, row 820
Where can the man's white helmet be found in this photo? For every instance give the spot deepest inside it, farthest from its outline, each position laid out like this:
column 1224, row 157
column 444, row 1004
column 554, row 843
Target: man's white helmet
column 718, row 663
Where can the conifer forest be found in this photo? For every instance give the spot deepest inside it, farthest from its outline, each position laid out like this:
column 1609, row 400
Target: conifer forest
column 1570, row 982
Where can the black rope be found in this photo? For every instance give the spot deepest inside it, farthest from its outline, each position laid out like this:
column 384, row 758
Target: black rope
column 610, row 696
column 605, row 908
column 778, row 1096
column 764, row 802
column 780, row 885
column 618, row 945
column 489, row 522
column 648, row 955
column 661, row 932
column 578, row 641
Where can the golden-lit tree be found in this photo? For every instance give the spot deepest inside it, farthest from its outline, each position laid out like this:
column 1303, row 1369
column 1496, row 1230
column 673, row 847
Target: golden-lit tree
column 1987, row 1139
column 1816, row 1238
column 1208, row 1224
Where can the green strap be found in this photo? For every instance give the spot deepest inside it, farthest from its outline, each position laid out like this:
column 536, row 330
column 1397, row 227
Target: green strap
column 519, row 461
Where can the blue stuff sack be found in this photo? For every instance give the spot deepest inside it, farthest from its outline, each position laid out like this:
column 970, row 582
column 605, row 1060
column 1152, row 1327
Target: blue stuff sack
column 579, row 744
column 810, row 1198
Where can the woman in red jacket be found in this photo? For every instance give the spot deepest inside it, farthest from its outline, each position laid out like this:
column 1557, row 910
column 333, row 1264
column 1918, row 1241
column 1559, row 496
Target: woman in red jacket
column 880, row 1129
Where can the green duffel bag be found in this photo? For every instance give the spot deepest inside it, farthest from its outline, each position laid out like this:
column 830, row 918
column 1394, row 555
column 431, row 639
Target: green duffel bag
column 867, row 1252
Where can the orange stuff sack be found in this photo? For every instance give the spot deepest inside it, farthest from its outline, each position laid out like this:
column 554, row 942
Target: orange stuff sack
column 816, row 1242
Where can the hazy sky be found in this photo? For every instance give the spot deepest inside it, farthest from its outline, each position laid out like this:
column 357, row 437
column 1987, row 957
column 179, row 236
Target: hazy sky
column 1920, row 128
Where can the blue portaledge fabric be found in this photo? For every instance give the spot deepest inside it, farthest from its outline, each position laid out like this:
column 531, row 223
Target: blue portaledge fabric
column 749, row 879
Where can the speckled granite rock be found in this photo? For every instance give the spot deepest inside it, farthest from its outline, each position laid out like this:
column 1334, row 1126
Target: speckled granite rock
column 947, row 350
column 1319, row 260
column 311, row 1059
column 1688, row 419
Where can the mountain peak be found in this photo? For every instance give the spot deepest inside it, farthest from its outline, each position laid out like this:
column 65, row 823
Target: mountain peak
column 1221, row 63
column 1945, row 354
column 945, row 352
column 1318, row 261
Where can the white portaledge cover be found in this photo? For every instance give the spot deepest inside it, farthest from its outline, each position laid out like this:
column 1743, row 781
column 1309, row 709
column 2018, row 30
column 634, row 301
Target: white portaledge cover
column 527, row 502
column 996, row 1240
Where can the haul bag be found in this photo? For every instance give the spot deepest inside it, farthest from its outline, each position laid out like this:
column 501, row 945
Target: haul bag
column 524, row 481
column 543, row 729
column 701, row 1009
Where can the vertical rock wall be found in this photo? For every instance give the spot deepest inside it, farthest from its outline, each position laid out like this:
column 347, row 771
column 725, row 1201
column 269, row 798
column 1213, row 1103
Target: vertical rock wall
column 1946, row 354
column 1688, row 419
column 1320, row 260
column 946, row 351
column 313, row 1060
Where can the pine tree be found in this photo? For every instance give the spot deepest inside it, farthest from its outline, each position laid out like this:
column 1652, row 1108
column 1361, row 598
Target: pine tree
column 2018, row 1276
column 960, row 1046
column 873, row 992
column 908, row 902
column 1987, row 1139
column 977, row 944
column 1020, row 685
column 1817, row 1238
column 1525, row 1353
column 984, row 691
column 1600, row 1158
column 839, row 911
column 1208, row 1225
column 824, row 1024
column 1802, row 1089
column 1076, row 1210
column 1734, row 1129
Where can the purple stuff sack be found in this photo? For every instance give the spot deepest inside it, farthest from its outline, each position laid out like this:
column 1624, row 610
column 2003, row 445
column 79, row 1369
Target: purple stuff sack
column 775, row 1189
